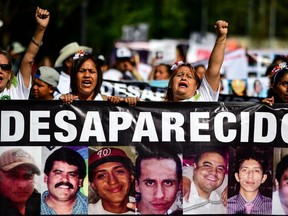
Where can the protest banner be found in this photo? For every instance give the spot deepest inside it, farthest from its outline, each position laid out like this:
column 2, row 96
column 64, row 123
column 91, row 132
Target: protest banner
column 183, row 128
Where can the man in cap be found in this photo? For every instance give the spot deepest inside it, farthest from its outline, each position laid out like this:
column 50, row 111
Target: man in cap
column 111, row 176
column 124, row 68
column 65, row 62
column 64, row 170
column 45, row 83
column 17, row 193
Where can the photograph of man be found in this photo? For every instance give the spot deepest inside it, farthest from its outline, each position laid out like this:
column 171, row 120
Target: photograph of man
column 209, row 169
column 18, row 195
column 64, row 170
column 158, row 182
column 111, row 176
column 251, row 172
column 280, row 195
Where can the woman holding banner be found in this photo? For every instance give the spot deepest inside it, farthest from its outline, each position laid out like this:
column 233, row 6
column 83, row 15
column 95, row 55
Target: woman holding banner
column 86, row 80
column 185, row 84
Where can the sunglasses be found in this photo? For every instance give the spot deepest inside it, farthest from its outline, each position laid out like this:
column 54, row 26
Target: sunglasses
column 6, row 67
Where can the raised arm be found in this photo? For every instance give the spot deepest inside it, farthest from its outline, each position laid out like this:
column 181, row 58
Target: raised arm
column 42, row 18
column 217, row 55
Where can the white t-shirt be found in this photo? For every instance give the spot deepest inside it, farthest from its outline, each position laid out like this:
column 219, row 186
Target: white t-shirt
column 205, row 93
column 20, row 91
column 199, row 205
column 64, row 83
column 113, row 74
column 97, row 208
column 276, row 204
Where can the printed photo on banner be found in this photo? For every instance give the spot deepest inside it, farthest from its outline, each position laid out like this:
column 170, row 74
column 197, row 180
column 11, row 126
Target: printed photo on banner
column 64, row 188
column 250, row 180
column 158, row 182
column 19, row 180
column 205, row 178
column 280, row 182
column 111, row 180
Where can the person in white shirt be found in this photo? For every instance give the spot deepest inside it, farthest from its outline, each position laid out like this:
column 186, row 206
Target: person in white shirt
column 186, row 85
column 65, row 62
column 19, row 87
column 210, row 166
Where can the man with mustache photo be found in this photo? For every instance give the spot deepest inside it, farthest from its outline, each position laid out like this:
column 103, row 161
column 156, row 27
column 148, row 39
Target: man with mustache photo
column 65, row 170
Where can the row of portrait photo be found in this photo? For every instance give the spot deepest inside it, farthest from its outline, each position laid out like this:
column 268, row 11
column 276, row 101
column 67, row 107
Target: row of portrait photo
column 143, row 179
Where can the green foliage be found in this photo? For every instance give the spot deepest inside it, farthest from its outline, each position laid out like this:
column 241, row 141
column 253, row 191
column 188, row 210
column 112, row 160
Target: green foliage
column 101, row 24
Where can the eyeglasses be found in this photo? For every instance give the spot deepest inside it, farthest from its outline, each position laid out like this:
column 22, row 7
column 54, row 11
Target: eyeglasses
column 6, row 67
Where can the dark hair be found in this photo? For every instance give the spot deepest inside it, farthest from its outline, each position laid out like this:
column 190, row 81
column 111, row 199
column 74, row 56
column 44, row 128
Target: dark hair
column 69, row 156
column 212, row 149
column 269, row 69
column 199, row 66
column 182, row 51
column 169, row 93
column 126, row 162
column 248, row 153
column 167, row 67
column 281, row 167
column 158, row 153
column 76, row 66
column 281, row 58
column 275, row 80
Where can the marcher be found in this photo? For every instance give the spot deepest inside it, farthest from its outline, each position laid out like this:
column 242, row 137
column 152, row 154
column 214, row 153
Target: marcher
column 111, row 176
column 278, row 91
column 45, row 83
column 86, row 80
column 18, row 195
column 185, row 84
column 200, row 70
column 124, row 68
column 20, row 88
column 16, row 51
column 65, row 170
column 65, row 62
column 161, row 72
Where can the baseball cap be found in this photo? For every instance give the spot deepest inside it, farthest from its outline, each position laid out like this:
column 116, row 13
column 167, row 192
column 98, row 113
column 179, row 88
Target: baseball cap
column 108, row 154
column 123, row 53
column 16, row 157
column 48, row 75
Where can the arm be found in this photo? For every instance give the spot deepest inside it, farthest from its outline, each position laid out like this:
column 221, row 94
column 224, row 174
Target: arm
column 217, row 56
column 42, row 18
column 269, row 101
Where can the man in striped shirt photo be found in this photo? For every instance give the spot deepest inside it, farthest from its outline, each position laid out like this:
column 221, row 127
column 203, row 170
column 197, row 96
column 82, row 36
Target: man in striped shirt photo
column 250, row 172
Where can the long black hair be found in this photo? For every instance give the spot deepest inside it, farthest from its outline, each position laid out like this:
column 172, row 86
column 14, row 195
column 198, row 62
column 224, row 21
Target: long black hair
column 76, row 66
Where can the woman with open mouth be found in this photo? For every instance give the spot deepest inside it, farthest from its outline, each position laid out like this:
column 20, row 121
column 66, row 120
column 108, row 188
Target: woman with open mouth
column 185, row 84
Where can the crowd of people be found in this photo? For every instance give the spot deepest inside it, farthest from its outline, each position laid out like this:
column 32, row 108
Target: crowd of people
column 154, row 184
